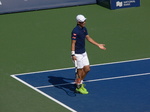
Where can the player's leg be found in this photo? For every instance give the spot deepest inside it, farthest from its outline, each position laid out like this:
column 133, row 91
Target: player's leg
column 79, row 77
column 79, row 82
column 86, row 64
column 86, row 69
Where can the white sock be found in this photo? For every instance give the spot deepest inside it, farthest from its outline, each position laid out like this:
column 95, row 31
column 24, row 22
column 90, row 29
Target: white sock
column 81, row 82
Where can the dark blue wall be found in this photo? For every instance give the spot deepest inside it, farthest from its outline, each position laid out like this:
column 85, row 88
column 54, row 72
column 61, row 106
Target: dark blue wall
column 9, row 6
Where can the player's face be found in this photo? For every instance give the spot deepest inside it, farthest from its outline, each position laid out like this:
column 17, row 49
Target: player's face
column 82, row 24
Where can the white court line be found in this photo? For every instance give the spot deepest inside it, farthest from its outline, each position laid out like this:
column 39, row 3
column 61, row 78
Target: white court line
column 119, row 77
column 110, row 78
column 142, row 59
column 53, row 99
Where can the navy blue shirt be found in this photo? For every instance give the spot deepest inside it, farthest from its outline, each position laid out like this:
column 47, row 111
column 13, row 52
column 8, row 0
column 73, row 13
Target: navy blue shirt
column 79, row 34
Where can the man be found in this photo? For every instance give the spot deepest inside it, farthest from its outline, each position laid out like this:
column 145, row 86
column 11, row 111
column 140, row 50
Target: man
column 78, row 52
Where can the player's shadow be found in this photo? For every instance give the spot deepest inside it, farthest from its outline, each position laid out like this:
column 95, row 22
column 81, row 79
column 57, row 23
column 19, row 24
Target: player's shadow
column 64, row 84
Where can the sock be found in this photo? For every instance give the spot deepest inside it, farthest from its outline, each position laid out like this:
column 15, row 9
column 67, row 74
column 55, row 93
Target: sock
column 78, row 82
column 81, row 82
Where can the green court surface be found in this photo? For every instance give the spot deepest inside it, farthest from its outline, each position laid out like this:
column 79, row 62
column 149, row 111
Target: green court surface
column 40, row 40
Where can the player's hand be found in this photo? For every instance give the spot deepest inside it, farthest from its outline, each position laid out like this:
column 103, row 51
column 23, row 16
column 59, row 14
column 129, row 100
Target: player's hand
column 102, row 46
column 74, row 58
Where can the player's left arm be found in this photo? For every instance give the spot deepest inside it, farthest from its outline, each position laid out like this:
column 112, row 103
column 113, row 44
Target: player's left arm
column 101, row 46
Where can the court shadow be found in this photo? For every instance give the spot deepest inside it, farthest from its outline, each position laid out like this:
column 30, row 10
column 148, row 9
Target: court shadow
column 64, row 84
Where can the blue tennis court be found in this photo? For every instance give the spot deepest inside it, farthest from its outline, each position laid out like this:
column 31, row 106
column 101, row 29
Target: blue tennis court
column 113, row 87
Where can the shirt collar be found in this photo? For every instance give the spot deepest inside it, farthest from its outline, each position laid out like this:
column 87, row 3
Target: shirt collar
column 80, row 27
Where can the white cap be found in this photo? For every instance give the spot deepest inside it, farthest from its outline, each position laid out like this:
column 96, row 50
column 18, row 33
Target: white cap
column 80, row 18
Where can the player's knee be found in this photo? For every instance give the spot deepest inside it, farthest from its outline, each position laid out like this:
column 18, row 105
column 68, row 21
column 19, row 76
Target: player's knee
column 87, row 69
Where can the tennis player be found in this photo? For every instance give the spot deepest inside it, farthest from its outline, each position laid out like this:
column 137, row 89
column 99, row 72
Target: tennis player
column 78, row 52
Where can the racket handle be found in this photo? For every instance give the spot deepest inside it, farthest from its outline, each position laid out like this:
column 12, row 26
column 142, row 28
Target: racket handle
column 75, row 63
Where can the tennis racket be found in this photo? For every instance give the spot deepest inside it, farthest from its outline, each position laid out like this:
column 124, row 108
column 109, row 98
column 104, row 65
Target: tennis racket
column 77, row 77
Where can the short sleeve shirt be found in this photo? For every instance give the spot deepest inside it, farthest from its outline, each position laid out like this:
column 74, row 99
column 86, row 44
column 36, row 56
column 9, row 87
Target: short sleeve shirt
column 79, row 34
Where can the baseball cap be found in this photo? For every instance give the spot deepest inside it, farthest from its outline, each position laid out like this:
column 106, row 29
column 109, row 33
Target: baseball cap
column 80, row 18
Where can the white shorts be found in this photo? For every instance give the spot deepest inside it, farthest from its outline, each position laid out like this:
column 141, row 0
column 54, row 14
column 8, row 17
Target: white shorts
column 82, row 60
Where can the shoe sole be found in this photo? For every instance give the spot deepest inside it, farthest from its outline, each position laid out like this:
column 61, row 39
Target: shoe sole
column 80, row 92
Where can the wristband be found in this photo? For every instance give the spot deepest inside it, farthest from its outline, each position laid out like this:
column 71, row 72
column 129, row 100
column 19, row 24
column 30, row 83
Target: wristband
column 72, row 52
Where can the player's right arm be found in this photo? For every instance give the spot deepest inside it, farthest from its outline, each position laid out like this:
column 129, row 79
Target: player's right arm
column 73, row 42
